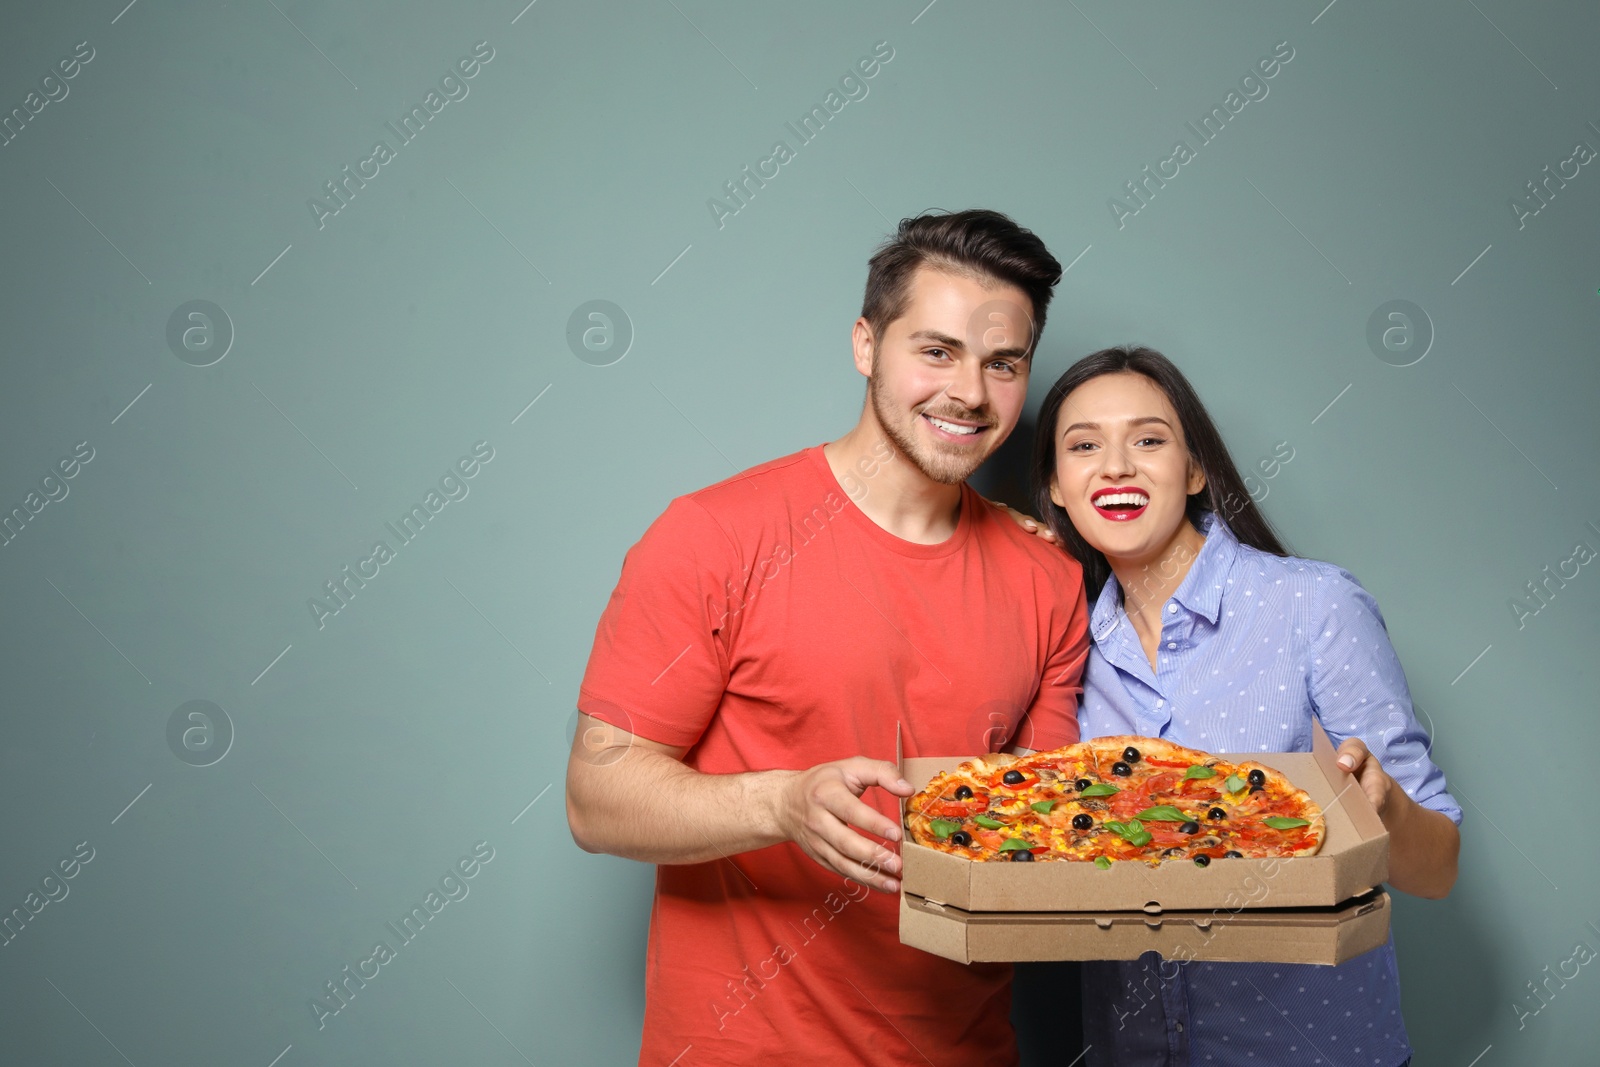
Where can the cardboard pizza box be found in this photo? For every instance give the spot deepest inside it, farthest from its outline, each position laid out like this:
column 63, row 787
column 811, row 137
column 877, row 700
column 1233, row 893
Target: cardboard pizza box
column 1260, row 935
column 1353, row 860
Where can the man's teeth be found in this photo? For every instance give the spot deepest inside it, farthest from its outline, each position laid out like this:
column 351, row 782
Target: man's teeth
column 1129, row 500
column 950, row 427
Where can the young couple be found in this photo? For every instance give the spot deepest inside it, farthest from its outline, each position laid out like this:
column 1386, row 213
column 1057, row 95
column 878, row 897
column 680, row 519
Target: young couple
column 769, row 633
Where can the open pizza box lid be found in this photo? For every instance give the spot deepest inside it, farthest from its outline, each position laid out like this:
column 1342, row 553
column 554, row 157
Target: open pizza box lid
column 1261, row 935
column 1354, row 858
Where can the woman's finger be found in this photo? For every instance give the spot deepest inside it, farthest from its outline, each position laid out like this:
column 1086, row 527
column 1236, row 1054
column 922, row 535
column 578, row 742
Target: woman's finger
column 1352, row 754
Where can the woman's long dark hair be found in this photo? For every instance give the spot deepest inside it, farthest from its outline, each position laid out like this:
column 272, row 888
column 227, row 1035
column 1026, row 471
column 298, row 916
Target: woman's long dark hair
column 1224, row 492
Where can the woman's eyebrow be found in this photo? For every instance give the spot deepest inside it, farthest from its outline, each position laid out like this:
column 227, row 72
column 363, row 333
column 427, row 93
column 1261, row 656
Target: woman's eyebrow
column 1141, row 421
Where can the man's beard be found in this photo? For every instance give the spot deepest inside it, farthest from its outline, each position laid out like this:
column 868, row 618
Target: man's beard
column 939, row 465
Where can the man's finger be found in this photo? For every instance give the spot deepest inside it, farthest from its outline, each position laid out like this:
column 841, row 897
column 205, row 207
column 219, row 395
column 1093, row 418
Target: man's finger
column 867, row 772
column 857, row 812
column 873, row 875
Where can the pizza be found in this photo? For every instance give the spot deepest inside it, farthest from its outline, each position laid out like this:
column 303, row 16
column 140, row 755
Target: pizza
column 1114, row 799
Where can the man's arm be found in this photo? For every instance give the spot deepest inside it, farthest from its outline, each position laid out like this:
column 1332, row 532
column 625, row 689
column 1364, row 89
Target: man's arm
column 633, row 797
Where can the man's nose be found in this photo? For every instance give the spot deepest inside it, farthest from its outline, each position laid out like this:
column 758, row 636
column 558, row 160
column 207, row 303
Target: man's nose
column 968, row 386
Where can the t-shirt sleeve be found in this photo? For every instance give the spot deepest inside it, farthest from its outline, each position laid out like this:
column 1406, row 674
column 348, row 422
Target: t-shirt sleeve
column 659, row 664
column 1359, row 690
column 1052, row 719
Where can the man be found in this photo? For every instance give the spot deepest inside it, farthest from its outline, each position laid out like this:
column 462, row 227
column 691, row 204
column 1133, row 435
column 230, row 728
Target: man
column 770, row 633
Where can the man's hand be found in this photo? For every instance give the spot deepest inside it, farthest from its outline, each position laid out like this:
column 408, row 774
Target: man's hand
column 1026, row 521
column 816, row 809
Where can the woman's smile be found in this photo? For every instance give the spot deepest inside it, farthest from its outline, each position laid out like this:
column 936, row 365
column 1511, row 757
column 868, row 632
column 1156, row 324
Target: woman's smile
column 1120, row 503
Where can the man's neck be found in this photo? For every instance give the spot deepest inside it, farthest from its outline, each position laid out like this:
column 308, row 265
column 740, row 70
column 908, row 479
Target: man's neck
column 895, row 494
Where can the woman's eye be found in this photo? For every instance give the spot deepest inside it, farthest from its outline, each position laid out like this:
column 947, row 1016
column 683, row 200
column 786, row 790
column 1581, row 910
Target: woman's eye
column 1152, row 441
column 1081, row 446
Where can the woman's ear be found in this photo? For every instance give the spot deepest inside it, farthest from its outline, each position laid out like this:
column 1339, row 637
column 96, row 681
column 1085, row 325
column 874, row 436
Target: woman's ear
column 1055, row 494
column 1197, row 477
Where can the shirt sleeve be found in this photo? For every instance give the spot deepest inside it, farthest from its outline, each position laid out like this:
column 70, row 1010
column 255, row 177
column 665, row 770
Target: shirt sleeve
column 1052, row 719
column 1359, row 690
column 659, row 664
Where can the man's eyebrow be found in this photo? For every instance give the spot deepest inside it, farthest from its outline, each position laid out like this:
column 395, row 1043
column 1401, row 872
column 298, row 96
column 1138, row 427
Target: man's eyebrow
column 941, row 338
column 1143, row 420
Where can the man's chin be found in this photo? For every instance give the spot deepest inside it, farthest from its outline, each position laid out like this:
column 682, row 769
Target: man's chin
column 948, row 468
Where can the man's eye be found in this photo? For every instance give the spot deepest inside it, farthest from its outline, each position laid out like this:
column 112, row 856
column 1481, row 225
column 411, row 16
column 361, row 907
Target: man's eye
column 1003, row 366
column 935, row 352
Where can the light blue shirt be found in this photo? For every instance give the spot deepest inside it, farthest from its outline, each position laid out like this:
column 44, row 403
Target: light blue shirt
column 1254, row 647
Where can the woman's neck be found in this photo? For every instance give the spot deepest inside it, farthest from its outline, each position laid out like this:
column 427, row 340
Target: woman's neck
column 1148, row 581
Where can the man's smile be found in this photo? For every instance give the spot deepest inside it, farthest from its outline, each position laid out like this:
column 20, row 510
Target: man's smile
column 955, row 429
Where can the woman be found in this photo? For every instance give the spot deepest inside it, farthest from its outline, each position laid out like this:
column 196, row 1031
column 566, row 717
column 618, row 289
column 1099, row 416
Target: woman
column 1208, row 633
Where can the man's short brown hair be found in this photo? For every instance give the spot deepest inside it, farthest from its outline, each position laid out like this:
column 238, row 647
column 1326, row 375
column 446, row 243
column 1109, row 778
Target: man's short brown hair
column 976, row 243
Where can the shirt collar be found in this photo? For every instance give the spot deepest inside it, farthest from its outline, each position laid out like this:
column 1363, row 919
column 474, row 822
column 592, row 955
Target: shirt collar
column 1201, row 589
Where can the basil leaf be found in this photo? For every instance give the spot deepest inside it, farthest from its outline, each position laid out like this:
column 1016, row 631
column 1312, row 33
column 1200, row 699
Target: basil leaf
column 1162, row 813
column 943, row 828
column 1099, row 789
column 1132, row 831
column 988, row 822
column 1102, row 862
column 1013, row 844
column 1042, row 806
column 1234, row 783
column 1282, row 822
column 1199, row 772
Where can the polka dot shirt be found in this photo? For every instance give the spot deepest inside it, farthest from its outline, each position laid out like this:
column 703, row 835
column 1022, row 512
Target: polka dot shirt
column 1254, row 648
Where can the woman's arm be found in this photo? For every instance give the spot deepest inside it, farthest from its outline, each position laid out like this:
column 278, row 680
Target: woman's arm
column 1359, row 691
column 1423, row 844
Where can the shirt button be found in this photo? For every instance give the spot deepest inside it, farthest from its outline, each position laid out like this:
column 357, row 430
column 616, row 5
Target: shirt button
column 1161, row 703
column 1180, row 1028
column 1172, row 608
column 1172, row 644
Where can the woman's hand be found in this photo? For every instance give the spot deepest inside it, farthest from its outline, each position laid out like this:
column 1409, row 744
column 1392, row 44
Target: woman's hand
column 1375, row 781
column 1424, row 845
column 1027, row 522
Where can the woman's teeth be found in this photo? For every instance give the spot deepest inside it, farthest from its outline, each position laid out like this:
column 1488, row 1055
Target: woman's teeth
column 1122, row 500
column 951, row 427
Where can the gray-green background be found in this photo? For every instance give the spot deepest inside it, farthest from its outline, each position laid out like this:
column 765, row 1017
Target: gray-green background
column 369, row 355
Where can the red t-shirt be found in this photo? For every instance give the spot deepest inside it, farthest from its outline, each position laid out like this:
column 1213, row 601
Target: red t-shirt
column 765, row 622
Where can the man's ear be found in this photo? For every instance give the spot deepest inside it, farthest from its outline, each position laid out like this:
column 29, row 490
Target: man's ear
column 864, row 345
